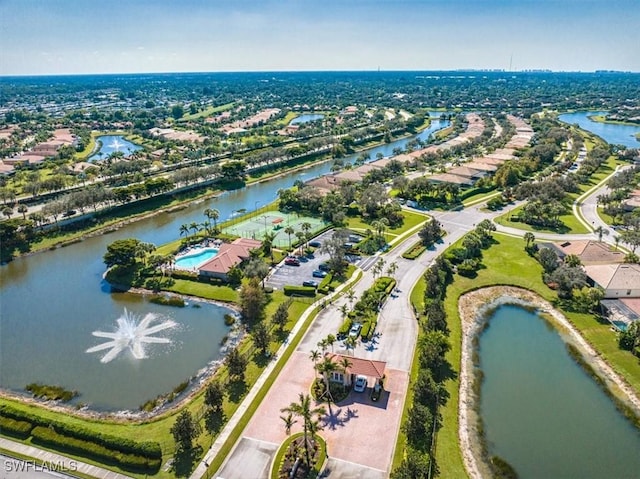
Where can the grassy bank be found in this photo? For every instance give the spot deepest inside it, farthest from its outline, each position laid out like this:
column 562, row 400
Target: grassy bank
column 506, row 263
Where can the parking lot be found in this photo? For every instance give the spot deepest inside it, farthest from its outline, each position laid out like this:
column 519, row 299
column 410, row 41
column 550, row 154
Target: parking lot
column 284, row 274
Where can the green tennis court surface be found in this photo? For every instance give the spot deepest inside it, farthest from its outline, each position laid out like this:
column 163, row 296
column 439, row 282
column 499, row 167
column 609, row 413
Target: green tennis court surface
column 275, row 222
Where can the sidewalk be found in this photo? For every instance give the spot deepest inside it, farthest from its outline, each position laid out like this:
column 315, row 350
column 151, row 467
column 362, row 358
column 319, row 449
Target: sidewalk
column 63, row 464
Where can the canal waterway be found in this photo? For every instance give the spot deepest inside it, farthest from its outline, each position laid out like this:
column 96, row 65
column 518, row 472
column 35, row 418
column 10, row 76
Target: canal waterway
column 542, row 413
column 612, row 133
column 51, row 303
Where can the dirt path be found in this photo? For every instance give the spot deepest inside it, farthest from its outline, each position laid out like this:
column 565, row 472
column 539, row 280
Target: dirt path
column 471, row 308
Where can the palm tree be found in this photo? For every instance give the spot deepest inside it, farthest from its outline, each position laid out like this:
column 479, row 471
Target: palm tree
column 600, row 231
column 344, row 310
column 351, row 295
column 326, row 367
column 303, row 410
column 616, row 240
column 314, row 356
column 193, row 226
column 350, row 343
column 330, row 339
column 23, row 209
column 529, row 237
column 184, row 230
column 289, row 231
column 267, row 244
column 300, row 236
column 288, row 422
column 391, row 270
column 322, row 344
column 213, row 214
column 306, row 227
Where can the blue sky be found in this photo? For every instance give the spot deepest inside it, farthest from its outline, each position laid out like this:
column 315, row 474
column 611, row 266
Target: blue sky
column 113, row 36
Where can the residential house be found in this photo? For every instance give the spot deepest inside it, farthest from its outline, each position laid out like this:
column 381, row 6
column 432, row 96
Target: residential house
column 358, row 366
column 617, row 280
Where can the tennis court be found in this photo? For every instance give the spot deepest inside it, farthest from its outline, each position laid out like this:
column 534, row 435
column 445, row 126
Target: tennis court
column 274, row 222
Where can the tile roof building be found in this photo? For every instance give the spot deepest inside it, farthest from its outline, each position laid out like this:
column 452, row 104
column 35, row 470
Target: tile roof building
column 229, row 255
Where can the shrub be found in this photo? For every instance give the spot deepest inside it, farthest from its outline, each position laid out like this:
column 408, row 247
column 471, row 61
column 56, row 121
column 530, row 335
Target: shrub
column 167, row 301
column 13, row 427
column 53, row 393
column 147, row 449
column 299, row 291
column 48, row 436
column 415, row 251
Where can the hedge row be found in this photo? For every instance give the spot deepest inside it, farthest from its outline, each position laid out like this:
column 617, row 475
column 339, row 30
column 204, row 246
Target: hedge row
column 325, row 286
column 299, row 291
column 415, row 251
column 13, row 427
column 147, row 449
column 47, row 436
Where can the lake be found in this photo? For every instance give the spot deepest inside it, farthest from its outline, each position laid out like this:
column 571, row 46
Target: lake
column 612, row 133
column 542, row 413
column 52, row 302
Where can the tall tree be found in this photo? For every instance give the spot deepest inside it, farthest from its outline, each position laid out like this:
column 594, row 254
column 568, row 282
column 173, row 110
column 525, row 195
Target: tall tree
column 213, row 214
column 252, row 301
column 261, row 337
column 185, row 430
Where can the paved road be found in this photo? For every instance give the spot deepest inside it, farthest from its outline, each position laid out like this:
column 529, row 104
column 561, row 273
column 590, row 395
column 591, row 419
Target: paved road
column 589, row 206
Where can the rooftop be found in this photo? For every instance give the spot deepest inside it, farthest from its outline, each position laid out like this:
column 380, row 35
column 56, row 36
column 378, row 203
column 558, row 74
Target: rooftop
column 366, row 367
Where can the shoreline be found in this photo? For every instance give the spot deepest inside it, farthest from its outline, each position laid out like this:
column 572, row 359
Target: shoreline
column 129, row 416
column 473, row 307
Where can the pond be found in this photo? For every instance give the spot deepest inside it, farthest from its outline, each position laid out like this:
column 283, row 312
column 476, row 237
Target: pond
column 43, row 346
column 542, row 413
column 110, row 144
column 307, row 117
column 612, row 133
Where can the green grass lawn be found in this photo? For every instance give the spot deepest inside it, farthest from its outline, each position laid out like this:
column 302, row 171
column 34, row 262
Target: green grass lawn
column 506, row 263
column 207, row 112
column 570, row 222
column 411, row 219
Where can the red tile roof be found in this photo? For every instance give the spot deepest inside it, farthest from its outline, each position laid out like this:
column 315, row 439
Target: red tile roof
column 229, row 255
column 366, row 367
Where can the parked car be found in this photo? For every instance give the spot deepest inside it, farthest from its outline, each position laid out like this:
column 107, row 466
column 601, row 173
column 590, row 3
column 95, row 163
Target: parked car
column 319, row 274
column 302, row 259
column 311, row 283
column 355, row 330
column 292, row 261
column 315, row 244
column 360, row 384
column 376, row 392
column 354, row 238
column 324, row 267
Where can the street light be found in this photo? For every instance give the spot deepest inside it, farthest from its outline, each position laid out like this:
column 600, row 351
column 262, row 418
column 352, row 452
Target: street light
column 255, row 208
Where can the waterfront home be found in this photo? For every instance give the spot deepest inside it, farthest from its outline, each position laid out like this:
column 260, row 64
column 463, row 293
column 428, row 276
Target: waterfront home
column 229, row 255
column 617, row 280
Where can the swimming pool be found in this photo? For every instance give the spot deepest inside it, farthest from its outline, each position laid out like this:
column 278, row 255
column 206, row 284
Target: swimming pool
column 195, row 258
